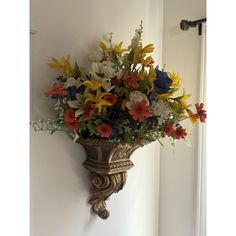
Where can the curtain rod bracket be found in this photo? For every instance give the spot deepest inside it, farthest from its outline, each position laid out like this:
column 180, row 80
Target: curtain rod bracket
column 185, row 24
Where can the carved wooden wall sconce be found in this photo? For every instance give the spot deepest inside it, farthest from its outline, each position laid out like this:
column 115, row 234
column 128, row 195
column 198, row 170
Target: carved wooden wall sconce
column 108, row 164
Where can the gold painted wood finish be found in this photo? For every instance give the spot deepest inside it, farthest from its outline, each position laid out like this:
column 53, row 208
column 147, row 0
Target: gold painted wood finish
column 108, row 164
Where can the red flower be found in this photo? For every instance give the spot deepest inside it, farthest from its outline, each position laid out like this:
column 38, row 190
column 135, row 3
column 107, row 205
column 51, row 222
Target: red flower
column 139, row 111
column 104, row 130
column 131, row 80
column 115, row 81
column 168, row 129
column 58, row 88
column 89, row 109
column 70, row 119
column 179, row 133
column 110, row 98
column 200, row 112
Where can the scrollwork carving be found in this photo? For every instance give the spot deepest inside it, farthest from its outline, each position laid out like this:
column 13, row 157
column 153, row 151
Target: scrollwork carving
column 108, row 164
column 103, row 187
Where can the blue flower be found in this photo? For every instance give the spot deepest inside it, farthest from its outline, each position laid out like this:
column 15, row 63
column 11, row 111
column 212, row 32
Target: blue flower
column 113, row 134
column 72, row 91
column 116, row 117
column 162, row 82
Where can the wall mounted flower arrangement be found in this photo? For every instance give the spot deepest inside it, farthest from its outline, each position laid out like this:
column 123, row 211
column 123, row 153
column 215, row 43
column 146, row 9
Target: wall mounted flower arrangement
column 116, row 105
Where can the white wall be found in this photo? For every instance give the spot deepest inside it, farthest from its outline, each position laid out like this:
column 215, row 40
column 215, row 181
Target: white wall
column 59, row 184
column 178, row 180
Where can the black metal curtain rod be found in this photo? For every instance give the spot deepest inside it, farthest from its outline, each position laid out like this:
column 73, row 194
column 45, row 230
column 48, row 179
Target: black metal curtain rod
column 185, row 24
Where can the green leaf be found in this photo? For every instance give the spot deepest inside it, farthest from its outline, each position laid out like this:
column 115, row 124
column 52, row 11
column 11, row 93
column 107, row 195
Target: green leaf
column 114, row 57
column 131, row 56
column 77, row 70
column 91, row 129
column 143, row 84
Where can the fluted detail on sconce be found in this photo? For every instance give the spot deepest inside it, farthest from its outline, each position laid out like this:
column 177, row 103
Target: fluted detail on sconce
column 108, row 165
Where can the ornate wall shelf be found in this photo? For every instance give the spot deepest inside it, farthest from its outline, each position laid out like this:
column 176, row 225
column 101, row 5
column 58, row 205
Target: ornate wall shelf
column 108, row 164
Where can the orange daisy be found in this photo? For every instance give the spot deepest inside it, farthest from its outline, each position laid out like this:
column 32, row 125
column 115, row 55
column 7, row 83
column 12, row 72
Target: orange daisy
column 140, row 110
column 104, row 130
column 201, row 114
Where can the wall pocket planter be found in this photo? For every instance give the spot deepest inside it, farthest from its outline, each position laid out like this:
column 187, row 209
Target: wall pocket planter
column 108, row 164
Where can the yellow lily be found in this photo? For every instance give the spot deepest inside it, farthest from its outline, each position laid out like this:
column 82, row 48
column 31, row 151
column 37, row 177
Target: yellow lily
column 65, row 67
column 117, row 49
column 103, row 46
column 166, row 95
column 149, row 48
column 138, row 54
column 163, row 96
column 97, row 99
column 93, row 85
column 142, row 75
column 176, row 80
column 181, row 106
column 151, row 78
column 192, row 118
column 148, row 61
column 185, row 96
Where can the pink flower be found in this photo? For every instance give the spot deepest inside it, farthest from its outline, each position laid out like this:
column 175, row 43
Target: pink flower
column 115, row 81
column 140, row 110
column 70, row 119
column 104, row 130
column 110, row 98
column 201, row 114
column 89, row 109
column 179, row 133
column 131, row 80
column 168, row 129
column 58, row 88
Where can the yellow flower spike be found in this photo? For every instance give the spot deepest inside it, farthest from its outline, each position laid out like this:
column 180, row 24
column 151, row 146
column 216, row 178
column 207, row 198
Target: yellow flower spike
column 93, row 85
column 149, row 48
column 176, row 80
column 103, row 46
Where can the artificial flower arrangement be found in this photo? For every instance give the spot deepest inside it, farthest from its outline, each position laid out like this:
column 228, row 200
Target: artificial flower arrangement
column 119, row 103
column 121, row 97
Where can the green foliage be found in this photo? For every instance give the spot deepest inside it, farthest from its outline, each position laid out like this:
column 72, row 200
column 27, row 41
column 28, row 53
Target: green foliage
column 77, row 71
